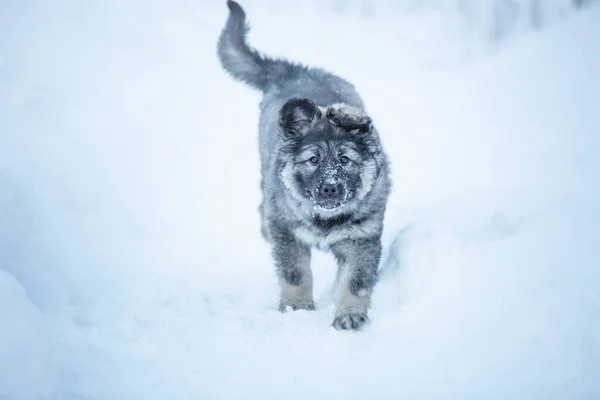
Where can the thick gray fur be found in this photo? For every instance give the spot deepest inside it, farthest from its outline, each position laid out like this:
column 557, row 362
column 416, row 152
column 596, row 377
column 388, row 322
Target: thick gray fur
column 325, row 177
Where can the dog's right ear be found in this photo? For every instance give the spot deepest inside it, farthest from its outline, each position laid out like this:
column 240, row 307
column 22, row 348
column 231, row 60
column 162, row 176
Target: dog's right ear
column 297, row 116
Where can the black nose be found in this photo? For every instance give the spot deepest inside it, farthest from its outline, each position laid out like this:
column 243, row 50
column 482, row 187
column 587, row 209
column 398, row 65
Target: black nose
column 331, row 191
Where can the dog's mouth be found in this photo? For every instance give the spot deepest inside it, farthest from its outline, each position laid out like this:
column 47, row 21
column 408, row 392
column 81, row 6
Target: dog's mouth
column 330, row 205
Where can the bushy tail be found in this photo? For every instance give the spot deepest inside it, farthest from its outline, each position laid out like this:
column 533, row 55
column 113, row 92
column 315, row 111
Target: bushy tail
column 242, row 61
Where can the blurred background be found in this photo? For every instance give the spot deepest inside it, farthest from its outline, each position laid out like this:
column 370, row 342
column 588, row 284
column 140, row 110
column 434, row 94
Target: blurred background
column 131, row 264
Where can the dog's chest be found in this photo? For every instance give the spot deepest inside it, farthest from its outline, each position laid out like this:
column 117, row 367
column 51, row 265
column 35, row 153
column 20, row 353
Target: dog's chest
column 324, row 239
column 315, row 238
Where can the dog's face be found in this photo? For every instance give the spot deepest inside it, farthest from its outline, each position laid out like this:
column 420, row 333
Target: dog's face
column 330, row 156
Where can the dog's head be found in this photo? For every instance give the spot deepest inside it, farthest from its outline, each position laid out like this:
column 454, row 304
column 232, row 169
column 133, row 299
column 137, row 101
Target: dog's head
column 330, row 155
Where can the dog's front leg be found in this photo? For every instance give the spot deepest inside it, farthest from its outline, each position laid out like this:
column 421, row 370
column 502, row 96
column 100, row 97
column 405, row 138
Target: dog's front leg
column 292, row 261
column 358, row 260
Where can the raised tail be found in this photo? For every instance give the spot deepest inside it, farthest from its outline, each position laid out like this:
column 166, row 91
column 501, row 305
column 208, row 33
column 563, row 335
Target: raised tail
column 243, row 62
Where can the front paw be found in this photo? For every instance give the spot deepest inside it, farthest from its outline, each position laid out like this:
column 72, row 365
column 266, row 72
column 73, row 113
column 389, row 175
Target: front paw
column 350, row 321
column 309, row 306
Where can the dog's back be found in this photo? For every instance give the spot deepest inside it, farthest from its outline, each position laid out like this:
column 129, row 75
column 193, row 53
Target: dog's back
column 278, row 79
column 268, row 74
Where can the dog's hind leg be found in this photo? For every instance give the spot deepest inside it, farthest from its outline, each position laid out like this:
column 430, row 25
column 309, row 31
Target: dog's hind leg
column 292, row 260
column 358, row 260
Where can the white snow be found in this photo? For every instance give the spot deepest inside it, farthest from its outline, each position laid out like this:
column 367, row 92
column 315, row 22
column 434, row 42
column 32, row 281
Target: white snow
column 131, row 260
column 25, row 350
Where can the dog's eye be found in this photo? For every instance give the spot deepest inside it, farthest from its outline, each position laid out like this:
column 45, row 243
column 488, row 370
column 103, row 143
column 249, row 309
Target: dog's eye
column 314, row 160
column 344, row 159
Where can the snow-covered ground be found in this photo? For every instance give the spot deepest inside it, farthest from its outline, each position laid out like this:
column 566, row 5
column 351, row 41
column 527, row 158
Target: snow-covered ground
column 131, row 264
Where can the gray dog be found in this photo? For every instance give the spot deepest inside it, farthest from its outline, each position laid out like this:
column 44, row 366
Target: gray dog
column 325, row 177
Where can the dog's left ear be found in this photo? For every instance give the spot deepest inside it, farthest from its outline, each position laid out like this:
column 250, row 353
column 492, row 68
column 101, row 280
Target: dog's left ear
column 349, row 118
column 297, row 116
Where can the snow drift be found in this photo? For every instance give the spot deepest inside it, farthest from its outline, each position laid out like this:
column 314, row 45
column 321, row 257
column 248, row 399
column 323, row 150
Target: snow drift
column 131, row 264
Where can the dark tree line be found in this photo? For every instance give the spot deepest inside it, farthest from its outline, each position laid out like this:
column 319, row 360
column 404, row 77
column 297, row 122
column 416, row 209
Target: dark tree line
column 501, row 17
column 582, row 3
column 507, row 12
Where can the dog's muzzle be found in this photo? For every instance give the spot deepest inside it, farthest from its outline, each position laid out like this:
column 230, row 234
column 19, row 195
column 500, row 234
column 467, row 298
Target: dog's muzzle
column 329, row 196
